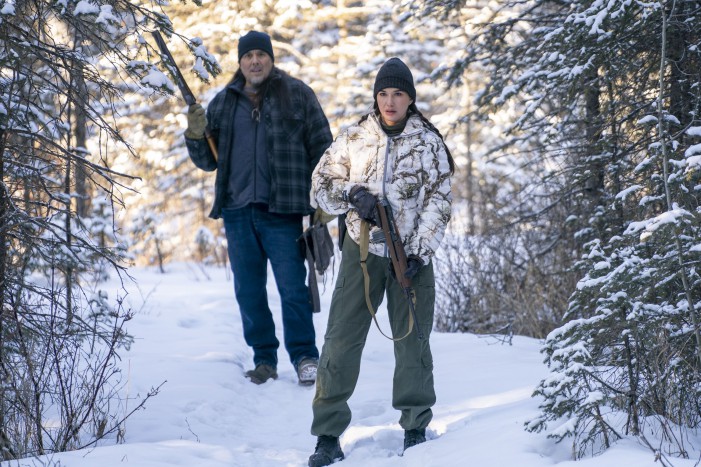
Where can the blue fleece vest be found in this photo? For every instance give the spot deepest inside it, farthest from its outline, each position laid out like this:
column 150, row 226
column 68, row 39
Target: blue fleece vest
column 249, row 176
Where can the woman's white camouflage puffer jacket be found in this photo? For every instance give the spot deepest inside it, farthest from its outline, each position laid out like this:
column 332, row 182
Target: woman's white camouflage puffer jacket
column 410, row 171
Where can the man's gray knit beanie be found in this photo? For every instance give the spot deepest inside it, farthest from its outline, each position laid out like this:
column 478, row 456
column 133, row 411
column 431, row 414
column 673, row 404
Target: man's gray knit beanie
column 255, row 40
column 395, row 74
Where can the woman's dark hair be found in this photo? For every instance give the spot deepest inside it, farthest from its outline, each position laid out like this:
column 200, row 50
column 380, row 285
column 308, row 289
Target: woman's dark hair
column 414, row 110
column 275, row 83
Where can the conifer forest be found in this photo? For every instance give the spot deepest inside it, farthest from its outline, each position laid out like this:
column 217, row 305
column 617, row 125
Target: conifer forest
column 576, row 131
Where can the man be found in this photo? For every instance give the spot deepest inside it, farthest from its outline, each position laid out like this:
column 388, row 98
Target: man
column 270, row 133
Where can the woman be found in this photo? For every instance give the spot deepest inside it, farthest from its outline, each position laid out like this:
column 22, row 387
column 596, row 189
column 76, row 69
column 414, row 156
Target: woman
column 396, row 155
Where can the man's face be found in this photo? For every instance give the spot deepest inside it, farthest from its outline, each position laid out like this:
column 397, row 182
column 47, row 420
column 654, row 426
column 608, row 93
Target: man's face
column 256, row 65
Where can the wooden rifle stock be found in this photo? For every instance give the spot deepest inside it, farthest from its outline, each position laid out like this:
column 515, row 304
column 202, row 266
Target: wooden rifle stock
column 189, row 97
column 397, row 255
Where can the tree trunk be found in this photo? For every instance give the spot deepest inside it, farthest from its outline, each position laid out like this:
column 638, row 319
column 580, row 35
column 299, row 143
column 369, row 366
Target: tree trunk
column 594, row 184
column 80, row 131
column 469, row 176
column 3, row 237
column 4, row 447
column 662, row 131
column 66, row 267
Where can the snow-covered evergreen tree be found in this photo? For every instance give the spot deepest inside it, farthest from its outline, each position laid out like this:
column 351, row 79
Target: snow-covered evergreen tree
column 593, row 76
column 601, row 101
column 60, row 334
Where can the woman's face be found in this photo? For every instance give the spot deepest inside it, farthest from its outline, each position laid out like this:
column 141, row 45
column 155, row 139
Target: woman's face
column 393, row 104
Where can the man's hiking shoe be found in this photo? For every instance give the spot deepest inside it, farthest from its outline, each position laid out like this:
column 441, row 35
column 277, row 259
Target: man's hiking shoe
column 306, row 371
column 414, row 437
column 261, row 374
column 328, row 451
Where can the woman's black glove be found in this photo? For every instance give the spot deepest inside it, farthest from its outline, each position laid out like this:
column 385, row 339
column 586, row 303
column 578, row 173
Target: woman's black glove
column 364, row 202
column 413, row 264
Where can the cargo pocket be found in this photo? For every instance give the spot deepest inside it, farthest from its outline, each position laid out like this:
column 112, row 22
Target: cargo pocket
column 425, row 290
column 428, row 389
column 322, row 375
column 336, row 305
column 324, row 362
column 427, row 361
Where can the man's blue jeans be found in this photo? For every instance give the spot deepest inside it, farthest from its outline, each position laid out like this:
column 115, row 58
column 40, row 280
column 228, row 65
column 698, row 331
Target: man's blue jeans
column 255, row 236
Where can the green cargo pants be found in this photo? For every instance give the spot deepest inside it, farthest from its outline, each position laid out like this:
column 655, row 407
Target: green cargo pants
column 348, row 325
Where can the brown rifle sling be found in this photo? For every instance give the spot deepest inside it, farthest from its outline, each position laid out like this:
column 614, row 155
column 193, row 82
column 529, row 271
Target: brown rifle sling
column 364, row 247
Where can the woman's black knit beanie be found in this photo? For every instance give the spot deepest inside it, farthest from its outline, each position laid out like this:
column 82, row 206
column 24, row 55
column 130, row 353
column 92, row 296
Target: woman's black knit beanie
column 395, row 74
column 255, row 40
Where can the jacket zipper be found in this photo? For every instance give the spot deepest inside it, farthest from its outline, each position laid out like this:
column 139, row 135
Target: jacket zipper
column 385, row 174
column 255, row 162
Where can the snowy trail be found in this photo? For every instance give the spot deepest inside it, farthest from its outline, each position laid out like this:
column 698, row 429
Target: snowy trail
column 188, row 337
column 202, row 355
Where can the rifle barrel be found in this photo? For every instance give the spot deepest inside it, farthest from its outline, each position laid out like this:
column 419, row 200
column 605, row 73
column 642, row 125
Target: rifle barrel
column 182, row 85
column 397, row 255
column 173, row 67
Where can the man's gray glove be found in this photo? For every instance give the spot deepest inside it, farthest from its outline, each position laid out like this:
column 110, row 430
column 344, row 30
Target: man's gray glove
column 364, row 202
column 196, row 122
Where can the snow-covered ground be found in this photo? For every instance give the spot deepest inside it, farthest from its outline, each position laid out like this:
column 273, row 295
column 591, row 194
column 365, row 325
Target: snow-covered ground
column 188, row 337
